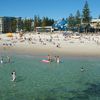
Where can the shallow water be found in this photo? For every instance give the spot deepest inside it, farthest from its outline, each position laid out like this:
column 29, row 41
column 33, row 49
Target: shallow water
column 41, row 81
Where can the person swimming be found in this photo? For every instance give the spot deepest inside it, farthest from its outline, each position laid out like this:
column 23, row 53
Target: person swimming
column 82, row 69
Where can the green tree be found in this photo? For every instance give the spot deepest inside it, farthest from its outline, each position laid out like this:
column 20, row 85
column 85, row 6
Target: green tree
column 71, row 22
column 51, row 22
column 86, row 13
column 86, row 18
column 27, row 25
column 78, row 20
column 37, row 22
column 19, row 24
column 44, row 21
column 47, row 22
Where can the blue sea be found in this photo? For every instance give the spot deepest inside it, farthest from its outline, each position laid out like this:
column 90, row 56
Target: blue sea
column 36, row 80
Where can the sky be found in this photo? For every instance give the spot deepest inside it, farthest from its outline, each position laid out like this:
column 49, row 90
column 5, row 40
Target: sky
column 55, row 9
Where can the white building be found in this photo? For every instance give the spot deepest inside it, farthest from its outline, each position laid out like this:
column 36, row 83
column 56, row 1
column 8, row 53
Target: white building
column 95, row 23
column 44, row 29
column 1, row 26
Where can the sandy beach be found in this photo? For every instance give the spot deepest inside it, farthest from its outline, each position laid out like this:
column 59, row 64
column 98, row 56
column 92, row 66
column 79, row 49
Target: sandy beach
column 53, row 44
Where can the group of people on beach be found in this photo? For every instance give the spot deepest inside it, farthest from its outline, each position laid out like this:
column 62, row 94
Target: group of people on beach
column 56, row 58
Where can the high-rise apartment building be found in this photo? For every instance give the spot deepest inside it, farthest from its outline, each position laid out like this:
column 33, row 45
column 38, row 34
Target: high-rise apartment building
column 9, row 24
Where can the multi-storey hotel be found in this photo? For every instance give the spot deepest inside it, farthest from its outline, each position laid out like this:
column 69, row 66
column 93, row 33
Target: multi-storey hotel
column 9, row 24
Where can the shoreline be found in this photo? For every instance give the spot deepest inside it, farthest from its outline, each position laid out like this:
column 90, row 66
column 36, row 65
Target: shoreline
column 50, row 51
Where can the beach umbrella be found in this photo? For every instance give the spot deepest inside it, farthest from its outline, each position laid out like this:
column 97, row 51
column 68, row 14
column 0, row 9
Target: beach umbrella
column 9, row 35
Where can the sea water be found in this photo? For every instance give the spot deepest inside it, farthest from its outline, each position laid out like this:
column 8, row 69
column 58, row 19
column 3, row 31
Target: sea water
column 36, row 80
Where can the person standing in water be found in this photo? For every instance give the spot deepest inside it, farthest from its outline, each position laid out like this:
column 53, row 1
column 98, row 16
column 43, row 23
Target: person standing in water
column 8, row 59
column 49, row 58
column 58, row 59
column 1, row 61
column 13, row 76
column 55, row 58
